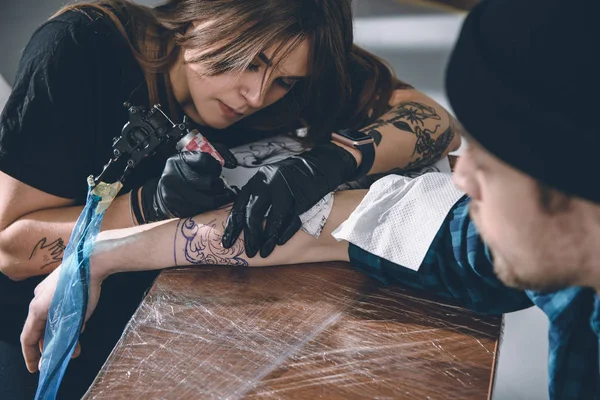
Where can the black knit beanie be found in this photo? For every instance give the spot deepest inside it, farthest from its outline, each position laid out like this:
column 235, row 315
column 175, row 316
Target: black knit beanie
column 524, row 80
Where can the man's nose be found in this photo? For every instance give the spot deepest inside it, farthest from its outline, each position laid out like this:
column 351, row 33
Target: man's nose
column 462, row 171
column 459, row 177
column 464, row 176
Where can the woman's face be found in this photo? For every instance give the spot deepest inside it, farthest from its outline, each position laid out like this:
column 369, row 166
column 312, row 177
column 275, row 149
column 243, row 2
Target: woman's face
column 222, row 100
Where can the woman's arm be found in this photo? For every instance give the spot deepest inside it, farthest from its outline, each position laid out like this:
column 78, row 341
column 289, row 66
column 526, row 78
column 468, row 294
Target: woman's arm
column 414, row 133
column 35, row 227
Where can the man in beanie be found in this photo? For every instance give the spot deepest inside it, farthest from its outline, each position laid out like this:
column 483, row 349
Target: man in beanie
column 523, row 81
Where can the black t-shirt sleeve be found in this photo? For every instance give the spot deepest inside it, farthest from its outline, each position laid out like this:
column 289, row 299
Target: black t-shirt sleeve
column 46, row 134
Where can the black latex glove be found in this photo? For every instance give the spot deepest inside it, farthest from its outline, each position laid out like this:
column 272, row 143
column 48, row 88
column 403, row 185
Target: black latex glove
column 289, row 188
column 190, row 184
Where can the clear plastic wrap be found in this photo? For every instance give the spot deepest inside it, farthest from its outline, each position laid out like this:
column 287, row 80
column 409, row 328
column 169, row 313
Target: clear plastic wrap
column 302, row 332
column 69, row 304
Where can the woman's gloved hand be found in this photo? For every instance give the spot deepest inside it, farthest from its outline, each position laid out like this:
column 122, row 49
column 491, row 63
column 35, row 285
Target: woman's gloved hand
column 285, row 189
column 190, row 184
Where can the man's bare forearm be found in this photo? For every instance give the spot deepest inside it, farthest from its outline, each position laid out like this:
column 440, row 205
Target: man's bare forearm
column 197, row 241
column 178, row 242
column 35, row 243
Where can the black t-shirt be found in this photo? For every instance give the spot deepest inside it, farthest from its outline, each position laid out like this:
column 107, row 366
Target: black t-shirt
column 67, row 105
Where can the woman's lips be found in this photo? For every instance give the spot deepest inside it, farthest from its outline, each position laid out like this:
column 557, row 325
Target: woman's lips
column 229, row 112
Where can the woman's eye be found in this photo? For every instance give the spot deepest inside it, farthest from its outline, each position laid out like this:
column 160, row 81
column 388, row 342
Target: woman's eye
column 253, row 67
column 287, row 84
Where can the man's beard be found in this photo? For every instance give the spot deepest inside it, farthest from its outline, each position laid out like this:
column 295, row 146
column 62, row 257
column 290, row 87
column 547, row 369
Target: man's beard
column 508, row 273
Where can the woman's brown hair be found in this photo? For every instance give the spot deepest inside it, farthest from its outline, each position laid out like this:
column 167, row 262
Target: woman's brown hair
column 346, row 86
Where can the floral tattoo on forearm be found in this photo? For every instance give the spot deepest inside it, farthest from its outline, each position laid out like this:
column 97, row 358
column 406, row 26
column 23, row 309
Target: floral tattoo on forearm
column 412, row 117
column 202, row 245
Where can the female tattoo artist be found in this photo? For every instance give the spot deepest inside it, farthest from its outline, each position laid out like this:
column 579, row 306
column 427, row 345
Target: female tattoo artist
column 241, row 71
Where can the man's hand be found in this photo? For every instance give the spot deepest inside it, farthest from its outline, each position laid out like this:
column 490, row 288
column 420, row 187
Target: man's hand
column 32, row 336
column 285, row 189
column 190, row 184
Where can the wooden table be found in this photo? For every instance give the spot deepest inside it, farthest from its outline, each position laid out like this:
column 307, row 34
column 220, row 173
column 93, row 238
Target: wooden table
column 297, row 332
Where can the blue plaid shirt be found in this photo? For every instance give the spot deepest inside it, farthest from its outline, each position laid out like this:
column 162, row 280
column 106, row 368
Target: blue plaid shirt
column 458, row 267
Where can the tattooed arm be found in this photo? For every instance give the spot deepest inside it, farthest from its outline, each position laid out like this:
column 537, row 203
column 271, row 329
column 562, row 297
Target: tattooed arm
column 36, row 226
column 413, row 133
column 197, row 241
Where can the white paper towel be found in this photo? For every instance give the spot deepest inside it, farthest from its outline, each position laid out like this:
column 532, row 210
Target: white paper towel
column 400, row 216
column 313, row 220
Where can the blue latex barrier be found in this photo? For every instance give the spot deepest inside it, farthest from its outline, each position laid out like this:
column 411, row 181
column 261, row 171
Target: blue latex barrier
column 69, row 304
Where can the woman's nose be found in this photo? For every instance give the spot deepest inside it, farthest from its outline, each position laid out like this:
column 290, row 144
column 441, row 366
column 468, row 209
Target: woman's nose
column 253, row 91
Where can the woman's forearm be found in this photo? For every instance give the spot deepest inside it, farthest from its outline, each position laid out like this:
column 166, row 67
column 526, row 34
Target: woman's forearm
column 197, row 241
column 414, row 133
column 35, row 243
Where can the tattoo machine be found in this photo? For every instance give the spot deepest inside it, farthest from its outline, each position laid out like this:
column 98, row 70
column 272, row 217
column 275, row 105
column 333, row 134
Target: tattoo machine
column 145, row 132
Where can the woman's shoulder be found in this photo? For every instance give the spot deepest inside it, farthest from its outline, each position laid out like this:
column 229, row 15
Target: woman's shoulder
column 74, row 41
column 75, row 27
column 402, row 91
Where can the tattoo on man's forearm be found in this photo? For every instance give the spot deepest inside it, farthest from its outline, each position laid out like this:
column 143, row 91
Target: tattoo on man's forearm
column 412, row 117
column 50, row 252
column 202, row 245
